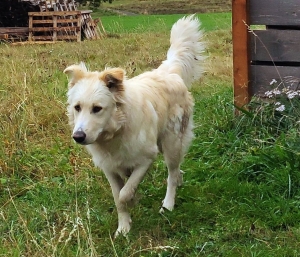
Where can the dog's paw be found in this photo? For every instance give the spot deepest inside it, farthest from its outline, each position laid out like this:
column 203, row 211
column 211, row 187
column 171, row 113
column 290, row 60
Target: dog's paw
column 168, row 204
column 161, row 210
column 123, row 229
column 124, row 224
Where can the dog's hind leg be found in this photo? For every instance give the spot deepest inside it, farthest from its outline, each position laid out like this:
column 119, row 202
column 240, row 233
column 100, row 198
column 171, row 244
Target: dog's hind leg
column 174, row 147
column 174, row 179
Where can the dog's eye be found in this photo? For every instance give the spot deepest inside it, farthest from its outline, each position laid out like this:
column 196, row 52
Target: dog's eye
column 77, row 107
column 97, row 109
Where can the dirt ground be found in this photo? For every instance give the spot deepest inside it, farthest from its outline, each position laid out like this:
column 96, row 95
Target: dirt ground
column 172, row 6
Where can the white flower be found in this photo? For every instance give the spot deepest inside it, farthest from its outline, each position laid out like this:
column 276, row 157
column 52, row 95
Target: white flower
column 272, row 93
column 269, row 94
column 273, row 82
column 276, row 92
column 281, row 108
column 291, row 94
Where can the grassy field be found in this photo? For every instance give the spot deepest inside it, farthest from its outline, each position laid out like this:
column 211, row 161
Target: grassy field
column 160, row 23
column 241, row 195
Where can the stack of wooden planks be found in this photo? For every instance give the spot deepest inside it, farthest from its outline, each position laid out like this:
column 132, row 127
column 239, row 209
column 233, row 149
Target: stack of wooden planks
column 41, row 20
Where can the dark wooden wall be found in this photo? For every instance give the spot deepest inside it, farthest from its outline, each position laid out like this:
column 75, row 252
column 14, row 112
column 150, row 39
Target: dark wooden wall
column 272, row 52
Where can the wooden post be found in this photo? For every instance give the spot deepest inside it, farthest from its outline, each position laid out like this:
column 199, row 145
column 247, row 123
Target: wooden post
column 30, row 28
column 241, row 52
column 79, row 27
column 54, row 28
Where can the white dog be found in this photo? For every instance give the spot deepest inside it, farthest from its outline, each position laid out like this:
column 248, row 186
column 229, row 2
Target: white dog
column 124, row 123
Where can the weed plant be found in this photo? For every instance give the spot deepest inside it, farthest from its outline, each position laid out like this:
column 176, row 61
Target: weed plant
column 241, row 192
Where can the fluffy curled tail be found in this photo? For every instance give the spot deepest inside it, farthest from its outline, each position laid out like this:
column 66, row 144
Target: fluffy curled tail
column 185, row 55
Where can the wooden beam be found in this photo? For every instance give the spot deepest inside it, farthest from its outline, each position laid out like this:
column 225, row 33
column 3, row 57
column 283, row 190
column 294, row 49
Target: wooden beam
column 3, row 36
column 52, row 29
column 59, row 20
column 79, row 25
column 64, row 37
column 31, row 14
column 241, row 52
column 14, row 30
column 55, row 28
column 33, row 42
column 30, row 27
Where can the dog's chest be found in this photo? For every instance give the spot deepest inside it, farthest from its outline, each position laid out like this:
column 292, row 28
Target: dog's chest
column 122, row 159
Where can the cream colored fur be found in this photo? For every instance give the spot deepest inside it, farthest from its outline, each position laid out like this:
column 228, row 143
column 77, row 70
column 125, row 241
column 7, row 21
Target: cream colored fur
column 124, row 123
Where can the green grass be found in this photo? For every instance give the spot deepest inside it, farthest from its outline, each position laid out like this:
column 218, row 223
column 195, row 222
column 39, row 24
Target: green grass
column 241, row 195
column 160, row 23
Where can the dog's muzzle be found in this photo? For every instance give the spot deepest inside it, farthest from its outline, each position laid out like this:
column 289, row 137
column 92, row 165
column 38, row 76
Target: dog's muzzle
column 79, row 136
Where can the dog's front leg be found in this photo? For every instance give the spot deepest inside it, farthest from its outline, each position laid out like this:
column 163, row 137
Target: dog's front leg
column 128, row 191
column 124, row 220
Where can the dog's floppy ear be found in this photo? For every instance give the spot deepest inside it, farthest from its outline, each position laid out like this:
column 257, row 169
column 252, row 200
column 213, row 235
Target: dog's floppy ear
column 113, row 78
column 75, row 73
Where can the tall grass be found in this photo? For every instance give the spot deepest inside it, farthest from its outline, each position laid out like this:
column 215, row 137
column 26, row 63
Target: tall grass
column 241, row 191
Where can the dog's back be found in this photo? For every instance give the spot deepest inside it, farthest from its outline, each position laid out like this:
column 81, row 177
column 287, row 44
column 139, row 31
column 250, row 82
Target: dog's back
column 162, row 99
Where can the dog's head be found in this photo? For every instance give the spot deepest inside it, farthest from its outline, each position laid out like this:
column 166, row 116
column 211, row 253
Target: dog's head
column 94, row 100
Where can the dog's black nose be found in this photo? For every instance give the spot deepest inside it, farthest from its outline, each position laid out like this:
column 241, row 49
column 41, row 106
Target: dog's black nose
column 79, row 136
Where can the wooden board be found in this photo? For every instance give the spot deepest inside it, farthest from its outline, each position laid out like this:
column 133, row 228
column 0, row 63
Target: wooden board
column 3, row 36
column 40, row 14
column 262, row 76
column 65, row 37
column 51, row 29
column 31, row 43
column 274, row 12
column 14, row 30
column 86, row 11
column 276, row 45
column 51, row 21
column 12, row 33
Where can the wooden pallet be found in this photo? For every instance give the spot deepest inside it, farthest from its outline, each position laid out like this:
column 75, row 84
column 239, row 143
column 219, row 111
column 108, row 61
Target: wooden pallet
column 55, row 26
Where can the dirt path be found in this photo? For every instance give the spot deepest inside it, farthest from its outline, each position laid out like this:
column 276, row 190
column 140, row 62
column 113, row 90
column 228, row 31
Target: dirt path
column 171, row 7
